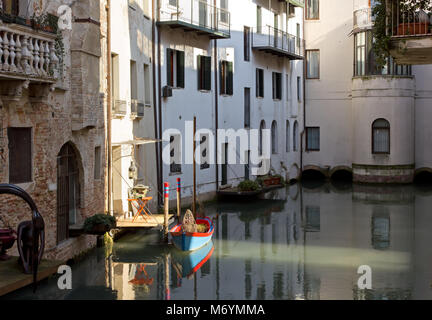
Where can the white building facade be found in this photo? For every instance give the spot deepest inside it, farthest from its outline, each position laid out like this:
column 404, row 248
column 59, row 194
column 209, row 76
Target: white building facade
column 359, row 117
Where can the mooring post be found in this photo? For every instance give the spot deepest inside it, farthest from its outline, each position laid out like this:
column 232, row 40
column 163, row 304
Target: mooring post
column 166, row 210
column 178, row 199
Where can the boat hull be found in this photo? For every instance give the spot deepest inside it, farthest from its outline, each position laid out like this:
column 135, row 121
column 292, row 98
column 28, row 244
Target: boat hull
column 191, row 262
column 188, row 241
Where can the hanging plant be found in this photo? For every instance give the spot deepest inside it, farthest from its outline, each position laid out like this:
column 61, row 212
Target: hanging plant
column 382, row 29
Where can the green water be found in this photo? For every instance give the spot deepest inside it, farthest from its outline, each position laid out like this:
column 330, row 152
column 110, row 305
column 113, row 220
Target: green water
column 304, row 243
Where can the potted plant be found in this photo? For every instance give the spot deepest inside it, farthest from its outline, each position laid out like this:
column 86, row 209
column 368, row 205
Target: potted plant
column 248, row 185
column 99, row 224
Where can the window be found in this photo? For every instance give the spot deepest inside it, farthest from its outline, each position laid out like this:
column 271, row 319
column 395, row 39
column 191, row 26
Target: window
column 133, row 81
column 115, row 93
column 298, row 37
column 312, row 64
column 365, row 61
column 246, row 44
column 226, row 78
column 173, row 3
column 380, row 228
column 277, row 85
column 313, row 219
column 295, row 138
column 287, row 87
column 97, row 163
column 224, row 11
column 247, row 107
column 20, row 155
column 147, row 94
column 274, row 134
column 287, row 141
column 313, row 139
column 204, row 73
column 261, row 138
column 10, row 7
column 260, row 83
column 204, row 145
column 175, row 154
column 312, row 9
column 381, row 137
column 259, row 19
column 175, row 68
column 298, row 88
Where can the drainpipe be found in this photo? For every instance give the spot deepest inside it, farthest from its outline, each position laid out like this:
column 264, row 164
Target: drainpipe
column 160, row 112
column 109, row 109
column 304, row 99
column 216, row 104
column 155, row 103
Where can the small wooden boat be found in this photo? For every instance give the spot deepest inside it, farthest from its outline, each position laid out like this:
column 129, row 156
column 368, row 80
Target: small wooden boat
column 186, row 264
column 190, row 241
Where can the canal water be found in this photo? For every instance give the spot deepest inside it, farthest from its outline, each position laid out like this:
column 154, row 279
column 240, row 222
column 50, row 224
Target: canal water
column 303, row 242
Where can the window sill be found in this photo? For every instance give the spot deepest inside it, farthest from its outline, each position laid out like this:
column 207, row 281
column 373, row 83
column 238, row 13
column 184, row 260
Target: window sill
column 204, row 91
column 226, row 95
column 171, row 174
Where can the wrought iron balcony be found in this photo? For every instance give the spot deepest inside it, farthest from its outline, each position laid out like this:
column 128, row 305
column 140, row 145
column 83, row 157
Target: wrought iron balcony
column 27, row 54
column 279, row 43
column 195, row 15
column 363, row 20
column 411, row 33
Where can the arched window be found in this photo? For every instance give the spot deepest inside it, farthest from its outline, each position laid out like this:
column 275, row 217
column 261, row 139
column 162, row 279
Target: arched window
column 288, row 136
column 381, row 137
column 260, row 145
column 274, row 141
column 295, row 136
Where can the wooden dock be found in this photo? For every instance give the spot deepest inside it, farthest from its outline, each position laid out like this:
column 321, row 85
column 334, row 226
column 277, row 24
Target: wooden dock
column 12, row 278
column 149, row 222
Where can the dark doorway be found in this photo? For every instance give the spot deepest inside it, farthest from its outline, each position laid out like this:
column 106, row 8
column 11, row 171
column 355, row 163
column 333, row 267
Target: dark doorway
column 68, row 191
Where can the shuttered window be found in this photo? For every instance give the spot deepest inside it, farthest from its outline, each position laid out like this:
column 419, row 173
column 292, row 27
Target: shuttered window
column 247, row 114
column 175, row 68
column 277, row 85
column 381, row 137
column 246, row 43
column 260, row 83
column 175, row 154
column 313, row 139
column 204, row 73
column 312, row 64
column 226, row 77
column 20, row 155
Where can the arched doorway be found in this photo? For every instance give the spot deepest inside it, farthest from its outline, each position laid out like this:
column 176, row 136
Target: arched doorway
column 68, row 190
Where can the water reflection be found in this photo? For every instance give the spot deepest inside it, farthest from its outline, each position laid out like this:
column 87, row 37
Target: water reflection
column 305, row 242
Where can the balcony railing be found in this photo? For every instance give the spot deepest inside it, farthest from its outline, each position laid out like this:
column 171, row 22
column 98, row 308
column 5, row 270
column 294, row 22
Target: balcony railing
column 279, row 42
column 363, row 19
column 27, row 54
column 137, row 108
column 407, row 22
column 196, row 14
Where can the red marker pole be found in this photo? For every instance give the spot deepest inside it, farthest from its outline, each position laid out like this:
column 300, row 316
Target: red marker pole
column 178, row 199
column 166, row 210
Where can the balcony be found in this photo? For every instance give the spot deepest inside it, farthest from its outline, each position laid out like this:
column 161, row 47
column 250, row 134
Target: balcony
column 279, row 43
column 295, row 3
column 411, row 34
column 27, row 54
column 363, row 20
column 197, row 16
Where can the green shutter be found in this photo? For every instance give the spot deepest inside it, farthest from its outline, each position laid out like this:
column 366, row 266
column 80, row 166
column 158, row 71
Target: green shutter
column 262, row 83
column 230, row 82
column 169, row 54
column 221, row 80
column 180, row 69
column 257, row 81
column 199, row 68
column 207, row 73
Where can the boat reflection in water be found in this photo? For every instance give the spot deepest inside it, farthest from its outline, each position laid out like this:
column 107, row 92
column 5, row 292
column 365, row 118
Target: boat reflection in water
column 186, row 264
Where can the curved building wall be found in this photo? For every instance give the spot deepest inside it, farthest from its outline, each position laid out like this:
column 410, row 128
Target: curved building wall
column 390, row 98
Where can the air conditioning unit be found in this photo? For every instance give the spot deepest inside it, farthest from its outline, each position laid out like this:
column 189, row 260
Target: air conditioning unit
column 167, row 91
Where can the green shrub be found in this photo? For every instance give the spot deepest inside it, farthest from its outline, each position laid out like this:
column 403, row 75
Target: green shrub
column 107, row 220
column 248, row 185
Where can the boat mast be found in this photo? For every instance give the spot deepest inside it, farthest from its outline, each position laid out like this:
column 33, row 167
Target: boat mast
column 194, row 170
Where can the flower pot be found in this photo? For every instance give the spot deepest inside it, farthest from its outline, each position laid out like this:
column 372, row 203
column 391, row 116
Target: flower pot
column 7, row 240
column 406, row 29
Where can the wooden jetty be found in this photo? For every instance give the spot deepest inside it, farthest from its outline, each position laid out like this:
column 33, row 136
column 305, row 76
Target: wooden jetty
column 12, row 277
column 153, row 221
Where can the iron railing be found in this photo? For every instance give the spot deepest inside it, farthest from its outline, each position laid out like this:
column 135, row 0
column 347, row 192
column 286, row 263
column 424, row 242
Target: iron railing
column 197, row 13
column 280, row 40
column 408, row 22
column 363, row 19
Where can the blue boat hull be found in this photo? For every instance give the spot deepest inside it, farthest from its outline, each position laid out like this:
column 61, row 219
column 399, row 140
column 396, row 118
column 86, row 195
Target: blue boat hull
column 186, row 241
